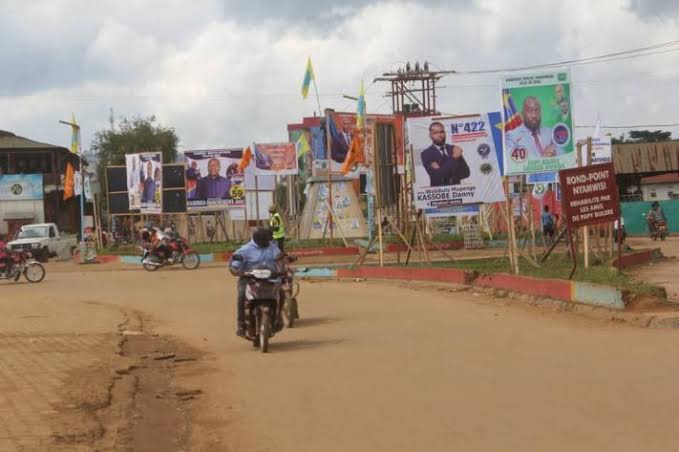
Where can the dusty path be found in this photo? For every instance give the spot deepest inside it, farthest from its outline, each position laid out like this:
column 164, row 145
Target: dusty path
column 378, row 367
column 665, row 273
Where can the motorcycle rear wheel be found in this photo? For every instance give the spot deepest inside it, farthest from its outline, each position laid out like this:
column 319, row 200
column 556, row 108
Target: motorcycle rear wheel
column 34, row 272
column 150, row 267
column 191, row 261
column 264, row 332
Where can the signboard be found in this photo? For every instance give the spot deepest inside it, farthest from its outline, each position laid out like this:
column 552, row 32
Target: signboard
column 275, row 159
column 213, row 181
column 538, row 122
column 456, row 161
column 144, row 181
column 542, row 178
column 20, row 187
column 342, row 129
column 590, row 195
column 601, row 150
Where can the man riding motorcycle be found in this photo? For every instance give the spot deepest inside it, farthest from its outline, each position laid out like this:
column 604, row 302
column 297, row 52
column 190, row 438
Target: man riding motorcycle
column 655, row 216
column 261, row 250
column 6, row 262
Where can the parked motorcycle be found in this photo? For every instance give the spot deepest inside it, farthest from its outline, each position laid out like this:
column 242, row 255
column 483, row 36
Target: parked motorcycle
column 290, row 291
column 23, row 263
column 179, row 253
column 657, row 229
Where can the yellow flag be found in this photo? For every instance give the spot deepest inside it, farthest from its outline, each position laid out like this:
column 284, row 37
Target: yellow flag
column 308, row 77
column 75, row 135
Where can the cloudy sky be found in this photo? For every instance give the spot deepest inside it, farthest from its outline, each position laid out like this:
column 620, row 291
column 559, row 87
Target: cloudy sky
column 228, row 72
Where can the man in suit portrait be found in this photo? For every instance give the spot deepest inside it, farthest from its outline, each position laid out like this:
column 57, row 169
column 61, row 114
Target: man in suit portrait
column 531, row 135
column 443, row 162
column 342, row 142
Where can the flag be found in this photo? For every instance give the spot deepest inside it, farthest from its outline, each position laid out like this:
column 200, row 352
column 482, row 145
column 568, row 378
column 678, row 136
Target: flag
column 245, row 160
column 360, row 108
column 75, row 135
column 69, row 181
column 303, row 145
column 512, row 116
column 308, row 77
column 355, row 155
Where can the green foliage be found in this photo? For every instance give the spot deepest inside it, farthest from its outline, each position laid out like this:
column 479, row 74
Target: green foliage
column 132, row 136
column 643, row 136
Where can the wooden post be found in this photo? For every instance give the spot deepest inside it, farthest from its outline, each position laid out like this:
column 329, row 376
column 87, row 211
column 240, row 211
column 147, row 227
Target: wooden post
column 585, row 229
column 511, row 233
column 257, row 200
column 379, row 235
column 331, row 213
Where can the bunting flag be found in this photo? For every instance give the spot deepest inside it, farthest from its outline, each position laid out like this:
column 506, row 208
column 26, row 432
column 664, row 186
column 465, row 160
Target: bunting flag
column 69, row 181
column 512, row 116
column 303, row 146
column 355, row 156
column 308, row 77
column 75, row 135
column 245, row 160
column 360, row 108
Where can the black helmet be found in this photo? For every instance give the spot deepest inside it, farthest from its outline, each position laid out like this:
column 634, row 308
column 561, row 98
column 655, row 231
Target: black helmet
column 655, row 204
column 262, row 237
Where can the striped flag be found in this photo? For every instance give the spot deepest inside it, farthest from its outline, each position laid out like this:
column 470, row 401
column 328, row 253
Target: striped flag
column 308, row 77
column 75, row 135
column 512, row 116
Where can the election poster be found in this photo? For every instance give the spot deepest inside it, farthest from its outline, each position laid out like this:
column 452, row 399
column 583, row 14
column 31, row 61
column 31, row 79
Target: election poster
column 456, row 162
column 342, row 130
column 213, row 181
column 275, row 159
column 144, row 181
column 538, row 122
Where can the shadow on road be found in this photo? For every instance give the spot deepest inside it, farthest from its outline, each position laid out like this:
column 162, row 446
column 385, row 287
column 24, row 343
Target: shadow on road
column 315, row 321
column 304, row 344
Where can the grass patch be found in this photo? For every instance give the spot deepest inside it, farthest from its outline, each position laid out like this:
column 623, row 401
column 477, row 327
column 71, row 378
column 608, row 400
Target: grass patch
column 559, row 267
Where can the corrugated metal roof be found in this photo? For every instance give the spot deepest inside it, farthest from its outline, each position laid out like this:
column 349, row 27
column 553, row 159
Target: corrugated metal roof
column 671, row 178
column 8, row 140
column 646, row 157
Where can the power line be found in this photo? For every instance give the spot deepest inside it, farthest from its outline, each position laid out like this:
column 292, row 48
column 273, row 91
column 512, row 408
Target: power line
column 629, row 127
column 625, row 54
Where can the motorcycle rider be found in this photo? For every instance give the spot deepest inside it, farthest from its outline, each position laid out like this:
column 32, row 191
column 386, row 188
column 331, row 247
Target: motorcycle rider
column 5, row 259
column 655, row 215
column 261, row 250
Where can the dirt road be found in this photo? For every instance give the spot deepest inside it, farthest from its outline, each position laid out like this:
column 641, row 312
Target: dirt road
column 663, row 273
column 378, row 367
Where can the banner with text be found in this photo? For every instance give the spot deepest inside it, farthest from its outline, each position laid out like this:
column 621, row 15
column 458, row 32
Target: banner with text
column 144, row 181
column 213, row 181
column 538, row 122
column 456, row 161
column 590, row 195
column 275, row 159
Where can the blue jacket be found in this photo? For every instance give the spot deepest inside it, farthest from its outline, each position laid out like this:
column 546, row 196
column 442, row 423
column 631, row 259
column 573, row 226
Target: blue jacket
column 253, row 256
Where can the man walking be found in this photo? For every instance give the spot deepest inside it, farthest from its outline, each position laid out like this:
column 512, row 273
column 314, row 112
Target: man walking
column 277, row 227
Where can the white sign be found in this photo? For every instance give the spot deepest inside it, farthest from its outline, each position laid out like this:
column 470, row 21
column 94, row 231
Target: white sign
column 456, row 161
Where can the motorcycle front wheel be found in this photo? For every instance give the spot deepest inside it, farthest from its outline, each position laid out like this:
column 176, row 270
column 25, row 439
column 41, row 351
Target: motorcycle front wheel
column 34, row 272
column 150, row 267
column 264, row 332
column 191, row 261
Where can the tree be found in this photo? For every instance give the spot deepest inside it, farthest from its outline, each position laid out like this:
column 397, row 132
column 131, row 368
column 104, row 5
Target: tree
column 644, row 136
column 132, row 136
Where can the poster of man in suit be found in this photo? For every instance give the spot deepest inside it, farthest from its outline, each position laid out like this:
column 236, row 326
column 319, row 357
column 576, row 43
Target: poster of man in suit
column 455, row 161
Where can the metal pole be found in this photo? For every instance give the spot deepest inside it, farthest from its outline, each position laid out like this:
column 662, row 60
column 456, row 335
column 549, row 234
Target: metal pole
column 328, row 141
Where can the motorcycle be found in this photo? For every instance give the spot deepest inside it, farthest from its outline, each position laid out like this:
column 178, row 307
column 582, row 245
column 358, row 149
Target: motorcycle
column 262, row 305
column 23, row 263
column 657, row 229
column 290, row 291
column 179, row 253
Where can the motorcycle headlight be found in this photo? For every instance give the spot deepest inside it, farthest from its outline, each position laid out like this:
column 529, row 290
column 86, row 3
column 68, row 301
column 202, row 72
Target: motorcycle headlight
column 261, row 273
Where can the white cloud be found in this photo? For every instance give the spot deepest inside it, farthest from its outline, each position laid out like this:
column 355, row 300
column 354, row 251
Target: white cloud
column 226, row 74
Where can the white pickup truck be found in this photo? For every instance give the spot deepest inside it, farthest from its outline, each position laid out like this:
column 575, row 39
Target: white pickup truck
column 44, row 240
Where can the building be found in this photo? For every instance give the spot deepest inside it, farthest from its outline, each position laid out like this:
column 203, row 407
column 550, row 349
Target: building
column 31, row 187
column 661, row 187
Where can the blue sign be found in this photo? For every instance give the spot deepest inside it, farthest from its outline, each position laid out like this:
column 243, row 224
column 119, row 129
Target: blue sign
column 21, row 187
column 542, row 178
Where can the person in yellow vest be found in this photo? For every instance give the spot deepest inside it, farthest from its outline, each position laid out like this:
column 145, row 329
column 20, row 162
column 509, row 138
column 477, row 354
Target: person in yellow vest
column 277, row 227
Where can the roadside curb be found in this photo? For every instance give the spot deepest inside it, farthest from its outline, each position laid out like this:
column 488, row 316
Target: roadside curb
column 638, row 258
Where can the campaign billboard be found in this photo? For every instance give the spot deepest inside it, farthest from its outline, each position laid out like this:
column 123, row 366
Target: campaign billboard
column 275, row 159
column 144, row 181
column 213, row 181
column 538, row 122
column 456, row 161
